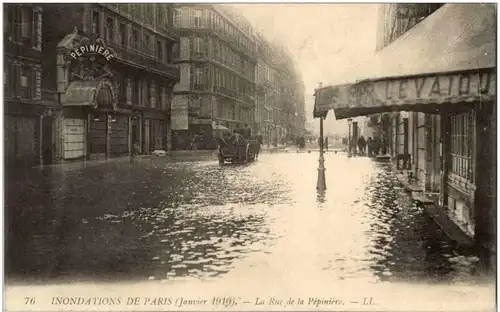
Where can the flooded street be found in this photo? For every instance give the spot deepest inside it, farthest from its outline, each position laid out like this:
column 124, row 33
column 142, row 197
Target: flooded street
column 154, row 219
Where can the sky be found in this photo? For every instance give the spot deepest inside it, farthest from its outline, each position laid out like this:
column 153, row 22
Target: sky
column 327, row 42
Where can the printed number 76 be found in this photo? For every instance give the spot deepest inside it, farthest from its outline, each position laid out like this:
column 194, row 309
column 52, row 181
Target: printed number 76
column 29, row 300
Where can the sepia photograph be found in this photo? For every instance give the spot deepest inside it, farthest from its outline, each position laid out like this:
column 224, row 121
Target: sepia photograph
column 253, row 156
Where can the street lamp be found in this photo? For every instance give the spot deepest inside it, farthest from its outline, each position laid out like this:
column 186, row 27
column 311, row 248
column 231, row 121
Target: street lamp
column 349, row 153
column 321, row 183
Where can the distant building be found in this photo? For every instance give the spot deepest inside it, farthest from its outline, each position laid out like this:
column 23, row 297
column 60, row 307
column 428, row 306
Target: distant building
column 280, row 106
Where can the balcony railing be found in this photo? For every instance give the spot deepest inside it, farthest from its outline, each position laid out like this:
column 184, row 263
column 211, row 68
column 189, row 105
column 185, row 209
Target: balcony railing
column 226, row 91
column 49, row 95
column 248, row 98
column 141, row 59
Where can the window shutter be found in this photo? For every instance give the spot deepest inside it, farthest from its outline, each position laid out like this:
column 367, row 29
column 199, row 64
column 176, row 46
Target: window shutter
column 37, row 95
column 17, row 80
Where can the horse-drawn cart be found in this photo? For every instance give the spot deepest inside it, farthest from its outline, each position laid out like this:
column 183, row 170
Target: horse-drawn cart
column 235, row 148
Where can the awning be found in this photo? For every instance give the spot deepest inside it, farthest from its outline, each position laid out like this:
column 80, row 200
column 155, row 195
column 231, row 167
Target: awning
column 94, row 93
column 449, row 57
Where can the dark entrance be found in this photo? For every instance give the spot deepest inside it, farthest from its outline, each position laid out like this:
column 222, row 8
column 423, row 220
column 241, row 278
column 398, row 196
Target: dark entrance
column 134, row 131
column 152, row 135
column 47, row 147
column 97, row 134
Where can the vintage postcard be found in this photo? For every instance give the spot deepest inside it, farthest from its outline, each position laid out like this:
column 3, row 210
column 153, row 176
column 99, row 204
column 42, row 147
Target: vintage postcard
column 250, row 156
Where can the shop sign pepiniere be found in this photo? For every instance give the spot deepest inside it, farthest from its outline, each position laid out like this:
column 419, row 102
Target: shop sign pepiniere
column 92, row 49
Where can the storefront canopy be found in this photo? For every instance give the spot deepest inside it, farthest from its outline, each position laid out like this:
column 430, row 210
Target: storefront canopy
column 449, row 57
column 94, row 93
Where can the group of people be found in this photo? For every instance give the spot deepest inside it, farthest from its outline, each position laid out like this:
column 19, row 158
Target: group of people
column 373, row 146
column 370, row 147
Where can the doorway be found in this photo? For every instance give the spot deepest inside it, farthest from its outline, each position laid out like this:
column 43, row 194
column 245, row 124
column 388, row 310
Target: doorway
column 47, row 148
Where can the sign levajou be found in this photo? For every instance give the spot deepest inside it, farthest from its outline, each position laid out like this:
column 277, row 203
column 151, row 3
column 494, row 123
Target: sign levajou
column 439, row 87
column 92, row 49
column 418, row 89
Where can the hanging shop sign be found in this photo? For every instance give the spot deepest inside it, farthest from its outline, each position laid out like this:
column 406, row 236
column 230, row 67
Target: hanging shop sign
column 392, row 92
column 429, row 88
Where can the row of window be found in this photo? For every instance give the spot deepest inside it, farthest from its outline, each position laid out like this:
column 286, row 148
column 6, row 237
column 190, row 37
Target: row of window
column 196, row 47
column 141, row 91
column 267, row 74
column 224, row 81
column 154, row 15
column 225, row 55
column 227, row 80
column 219, row 24
column 227, row 110
column 23, row 24
column 273, row 115
column 187, row 17
column 21, row 81
column 136, row 37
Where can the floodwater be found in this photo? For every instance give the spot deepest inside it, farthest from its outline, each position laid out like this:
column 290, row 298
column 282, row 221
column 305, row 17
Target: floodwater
column 155, row 219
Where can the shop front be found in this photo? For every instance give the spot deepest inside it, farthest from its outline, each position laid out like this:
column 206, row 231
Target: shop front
column 446, row 125
column 92, row 125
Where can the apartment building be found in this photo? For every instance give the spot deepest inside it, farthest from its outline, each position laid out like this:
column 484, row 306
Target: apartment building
column 217, row 62
column 268, row 95
column 280, row 106
column 26, row 141
column 111, row 66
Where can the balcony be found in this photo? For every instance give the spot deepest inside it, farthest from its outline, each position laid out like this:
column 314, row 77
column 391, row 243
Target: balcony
column 142, row 60
column 248, row 98
column 199, row 56
column 50, row 96
column 227, row 92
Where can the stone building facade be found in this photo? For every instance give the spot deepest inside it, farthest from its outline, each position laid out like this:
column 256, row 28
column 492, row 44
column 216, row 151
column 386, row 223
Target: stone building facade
column 217, row 61
column 25, row 103
column 110, row 66
column 447, row 147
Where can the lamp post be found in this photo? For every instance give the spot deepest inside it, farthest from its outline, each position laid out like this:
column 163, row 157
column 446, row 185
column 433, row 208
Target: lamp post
column 349, row 153
column 321, row 183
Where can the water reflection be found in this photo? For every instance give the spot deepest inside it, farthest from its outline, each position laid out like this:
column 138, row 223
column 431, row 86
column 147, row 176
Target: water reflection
column 151, row 218
column 321, row 197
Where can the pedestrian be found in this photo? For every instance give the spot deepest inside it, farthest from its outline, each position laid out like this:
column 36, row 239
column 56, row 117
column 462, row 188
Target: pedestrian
column 136, row 148
column 369, row 143
column 376, row 146
column 326, row 143
column 361, row 145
